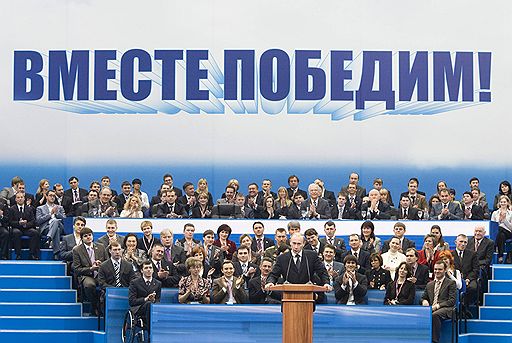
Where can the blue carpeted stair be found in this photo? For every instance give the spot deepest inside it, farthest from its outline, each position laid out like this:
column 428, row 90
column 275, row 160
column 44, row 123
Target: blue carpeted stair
column 495, row 318
column 38, row 304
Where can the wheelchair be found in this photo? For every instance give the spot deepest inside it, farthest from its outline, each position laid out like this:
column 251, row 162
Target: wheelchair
column 133, row 330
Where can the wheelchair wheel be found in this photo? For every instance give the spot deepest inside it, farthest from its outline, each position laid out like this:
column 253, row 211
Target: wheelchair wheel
column 141, row 332
column 128, row 330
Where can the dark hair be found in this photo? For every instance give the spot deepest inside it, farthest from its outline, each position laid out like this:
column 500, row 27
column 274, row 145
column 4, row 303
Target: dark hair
column 79, row 218
column 468, row 193
column 330, row 246
column 72, row 178
column 311, row 232
column 474, row 178
column 370, row 225
column 407, row 267
column 257, row 223
column 85, row 231
column 131, row 234
column 266, row 259
column 243, row 247
column 126, row 183
column 330, row 223
column 441, row 240
column 349, row 258
column 136, row 181
column 253, row 184
column 292, row 177
column 414, row 179
column 509, row 188
column 413, row 250
column 166, row 176
column 186, row 184
column 376, row 256
column 208, row 232
column 224, row 227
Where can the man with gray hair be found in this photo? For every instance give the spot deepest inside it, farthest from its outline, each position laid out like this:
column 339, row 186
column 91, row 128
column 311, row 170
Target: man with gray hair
column 315, row 207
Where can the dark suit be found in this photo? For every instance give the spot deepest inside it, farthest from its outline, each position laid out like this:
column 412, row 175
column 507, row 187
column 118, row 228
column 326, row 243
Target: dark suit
column 446, row 301
column 143, row 244
column 310, row 265
column 384, row 211
column 73, row 208
column 196, row 212
column 293, row 212
column 406, row 295
column 291, row 192
column 468, row 267
column 363, row 260
column 319, row 248
column 266, row 243
column 348, row 212
column 106, row 274
column 485, row 251
column 239, row 271
column 477, row 212
column 221, row 296
column 455, row 212
column 330, row 198
column 339, row 244
column 66, row 247
column 357, row 200
column 4, row 233
column 137, row 292
column 29, row 199
column 259, row 296
column 342, row 293
column 412, row 214
column 322, row 208
column 106, row 241
column 27, row 229
column 421, row 275
column 406, row 244
column 164, row 209
column 120, row 200
column 82, row 267
column 172, row 280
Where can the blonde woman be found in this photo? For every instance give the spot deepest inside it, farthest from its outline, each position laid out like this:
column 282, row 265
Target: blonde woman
column 132, row 208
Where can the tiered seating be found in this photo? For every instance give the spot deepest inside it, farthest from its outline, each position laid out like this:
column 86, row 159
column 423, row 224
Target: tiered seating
column 495, row 323
column 38, row 304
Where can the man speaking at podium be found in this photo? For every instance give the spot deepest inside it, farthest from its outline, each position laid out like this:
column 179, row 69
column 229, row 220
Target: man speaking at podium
column 299, row 266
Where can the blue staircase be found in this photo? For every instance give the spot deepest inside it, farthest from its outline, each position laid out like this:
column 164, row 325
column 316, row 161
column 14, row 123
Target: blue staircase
column 495, row 318
column 38, row 304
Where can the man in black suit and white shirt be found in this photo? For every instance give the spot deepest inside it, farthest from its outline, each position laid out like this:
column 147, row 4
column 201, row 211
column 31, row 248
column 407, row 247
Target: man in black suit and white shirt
column 23, row 222
column 293, row 182
column 350, row 288
column 143, row 292
column 260, row 243
column 471, row 210
column 330, row 238
column 467, row 262
column 354, row 180
column 405, row 243
column 257, row 293
column 70, row 241
column 363, row 257
column 122, row 198
column 298, row 266
column 375, row 209
column 316, row 207
column 163, row 271
column 170, row 208
column 405, row 211
column 344, row 210
column 420, row 272
column 77, row 196
column 244, row 267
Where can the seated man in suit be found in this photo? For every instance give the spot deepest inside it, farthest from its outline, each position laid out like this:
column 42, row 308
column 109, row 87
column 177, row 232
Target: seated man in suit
column 354, row 180
column 4, row 232
column 49, row 219
column 122, row 198
column 299, row 266
column 418, row 199
column 350, row 288
column 260, row 243
column 188, row 200
column 480, row 202
column 164, row 271
column 344, row 210
column 173, row 253
column 257, row 293
column 293, row 182
column 29, row 198
column 354, row 201
column 362, row 256
column 8, row 192
column 294, row 211
column 483, row 246
column 405, row 211
column 334, row 268
column 375, row 209
column 330, row 238
column 419, row 271
column 446, row 209
column 466, row 261
column 111, row 235
column 315, row 207
column 472, row 211
column 143, row 292
column 405, row 243
column 115, row 272
column 229, row 289
column 92, row 198
column 266, row 189
column 312, row 242
column 244, row 267
column 104, row 206
column 325, row 194
column 170, row 208
column 70, row 241
column 23, row 222
column 87, row 258
column 77, row 196
column 441, row 295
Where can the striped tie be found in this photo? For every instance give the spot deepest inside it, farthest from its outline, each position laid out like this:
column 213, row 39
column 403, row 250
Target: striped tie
column 117, row 273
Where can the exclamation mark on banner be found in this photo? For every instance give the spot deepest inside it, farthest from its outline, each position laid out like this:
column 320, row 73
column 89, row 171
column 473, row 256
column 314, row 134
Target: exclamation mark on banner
column 484, row 70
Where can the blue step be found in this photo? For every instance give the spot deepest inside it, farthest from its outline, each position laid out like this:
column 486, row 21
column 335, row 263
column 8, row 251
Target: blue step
column 28, row 268
column 495, row 313
column 35, row 282
column 38, row 295
column 484, row 338
column 46, row 255
column 490, row 326
column 498, row 299
column 40, row 309
column 52, row 336
column 502, row 272
column 48, row 323
column 500, row 286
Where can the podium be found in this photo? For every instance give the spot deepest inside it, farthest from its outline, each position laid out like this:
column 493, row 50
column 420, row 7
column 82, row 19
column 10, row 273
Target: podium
column 297, row 305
